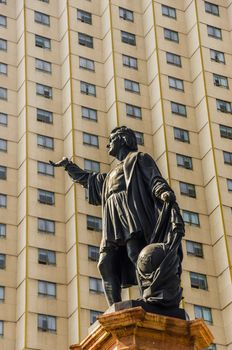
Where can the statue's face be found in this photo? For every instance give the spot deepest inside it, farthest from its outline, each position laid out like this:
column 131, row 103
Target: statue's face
column 115, row 144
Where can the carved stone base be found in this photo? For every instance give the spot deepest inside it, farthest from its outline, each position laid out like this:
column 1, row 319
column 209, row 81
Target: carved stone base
column 136, row 329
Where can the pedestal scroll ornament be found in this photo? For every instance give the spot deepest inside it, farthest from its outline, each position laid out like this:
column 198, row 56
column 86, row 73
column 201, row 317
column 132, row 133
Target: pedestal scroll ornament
column 142, row 224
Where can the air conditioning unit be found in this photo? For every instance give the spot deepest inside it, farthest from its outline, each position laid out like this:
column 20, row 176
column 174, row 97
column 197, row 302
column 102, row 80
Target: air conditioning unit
column 47, row 94
column 44, row 325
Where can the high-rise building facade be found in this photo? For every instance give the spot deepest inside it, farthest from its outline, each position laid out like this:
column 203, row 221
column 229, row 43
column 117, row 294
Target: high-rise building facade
column 71, row 71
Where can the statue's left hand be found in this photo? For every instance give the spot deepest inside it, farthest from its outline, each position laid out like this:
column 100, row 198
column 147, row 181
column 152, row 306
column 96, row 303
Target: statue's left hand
column 168, row 196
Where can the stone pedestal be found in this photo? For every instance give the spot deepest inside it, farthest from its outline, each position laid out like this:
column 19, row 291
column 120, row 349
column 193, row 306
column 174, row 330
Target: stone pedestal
column 136, row 329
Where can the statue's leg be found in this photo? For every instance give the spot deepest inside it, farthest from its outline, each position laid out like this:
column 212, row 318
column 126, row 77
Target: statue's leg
column 108, row 267
column 134, row 247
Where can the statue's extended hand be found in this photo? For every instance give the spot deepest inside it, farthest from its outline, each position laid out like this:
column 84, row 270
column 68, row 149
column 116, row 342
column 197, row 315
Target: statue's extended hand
column 168, row 196
column 63, row 162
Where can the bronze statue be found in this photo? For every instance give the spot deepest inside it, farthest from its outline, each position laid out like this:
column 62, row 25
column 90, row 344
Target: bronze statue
column 140, row 219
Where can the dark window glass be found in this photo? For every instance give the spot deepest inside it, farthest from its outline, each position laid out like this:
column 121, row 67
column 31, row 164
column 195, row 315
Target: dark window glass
column 90, row 139
column 46, row 197
column 86, row 63
column 3, row 172
column 2, row 230
column 42, row 18
column 46, row 257
column 227, row 157
column 225, row 131
column 47, row 288
column 129, row 61
column 44, row 116
column 171, row 35
column 174, row 59
column 3, row 119
column 217, row 56
column 139, row 137
column 44, row 90
column 211, row 8
column 133, row 111
column 85, row 40
column 191, row 218
column 94, row 223
column 45, row 141
column 131, row 86
column 84, row 16
column 2, row 261
column 214, row 32
column 46, row 323
column 41, row 41
column 3, row 45
column 184, row 161
column 187, row 189
column 91, row 165
column 93, row 315
column 87, row 88
column 181, row 135
column 42, row 65
column 175, row 83
column 89, row 113
column 198, row 281
column 93, row 253
column 223, row 106
column 178, row 108
column 194, row 249
column 203, row 312
column 168, row 11
column 128, row 38
column 46, row 226
column 95, row 285
column 125, row 14
column 3, row 200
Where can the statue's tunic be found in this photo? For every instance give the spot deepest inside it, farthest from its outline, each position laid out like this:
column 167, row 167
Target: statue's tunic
column 130, row 198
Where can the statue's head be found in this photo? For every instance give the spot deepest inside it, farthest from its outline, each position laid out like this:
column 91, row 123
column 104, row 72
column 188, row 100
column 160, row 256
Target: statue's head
column 122, row 137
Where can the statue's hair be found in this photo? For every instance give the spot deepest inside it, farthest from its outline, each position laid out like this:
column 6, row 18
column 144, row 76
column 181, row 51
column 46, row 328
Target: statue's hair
column 128, row 135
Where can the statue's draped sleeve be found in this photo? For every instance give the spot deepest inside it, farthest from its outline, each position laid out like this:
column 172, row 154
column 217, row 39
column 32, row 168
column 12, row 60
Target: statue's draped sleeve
column 93, row 182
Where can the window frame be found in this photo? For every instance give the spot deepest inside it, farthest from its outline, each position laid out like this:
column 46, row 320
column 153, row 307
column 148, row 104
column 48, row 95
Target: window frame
column 128, row 38
column 182, row 132
column 84, row 16
column 45, row 194
column 39, row 17
column 123, row 14
column 178, row 155
column 168, row 12
column 90, row 136
column 46, row 223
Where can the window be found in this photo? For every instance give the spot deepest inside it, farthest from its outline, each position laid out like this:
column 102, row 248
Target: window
column 133, row 111
column 223, row 106
column 90, row 139
column 129, row 61
column 181, row 135
column 2, row 230
column 93, row 316
column 2, row 294
column 128, row 38
column 175, row 83
column 43, row 90
column 47, row 288
column 139, row 138
column 88, row 89
column 46, row 323
column 191, row 218
column 46, row 257
column 91, row 165
column 203, row 312
column 2, row 1
column 3, row 93
column 44, row 116
column 227, row 157
column 41, row 41
column 45, row 141
column 42, row 18
column 47, row 1
column 46, row 226
column 198, row 281
column 45, row 168
column 168, row 11
column 214, row 32
column 86, row 63
column 1, row 328
column 131, row 86
column 178, row 108
column 220, row 80
column 43, row 65
column 174, row 59
column 217, row 56
column 3, row 119
column 194, row 249
column 187, row 189
column 3, row 44
column 229, row 184
column 3, row 200
column 93, row 253
column 89, row 113
column 125, row 14
column 3, row 68
column 95, row 285
column 3, row 145
column 225, row 131
column 3, row 21
column 94, row 223
column 212, row 347
column 2, row 261
column 84, row 16
column 211, row 8
column 3, row 172
column 171, row 35
column 46, row 197
column 85, row 40
column 184, row 161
